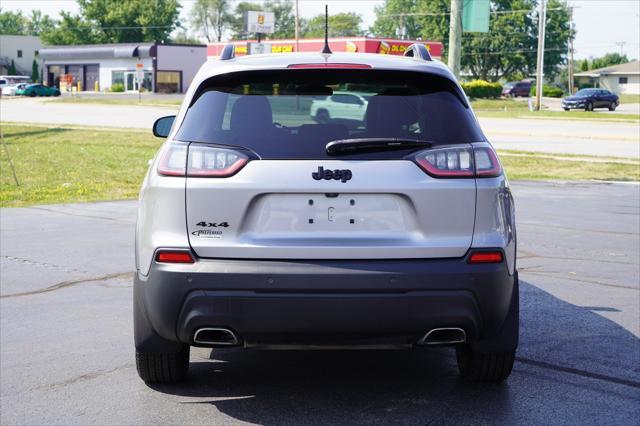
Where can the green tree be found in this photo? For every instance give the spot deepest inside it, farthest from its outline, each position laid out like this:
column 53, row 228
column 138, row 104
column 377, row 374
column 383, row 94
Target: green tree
column 12, row 23
column 285, row 26
column 35, row 73
column 237, row 20
column 12, row 68
column 608, row 60
column 38, row 23
column 340, row 25
column 584, row 65
column 211, row 17
column 283, row 14
column 507, row 50
column 182, row 37
column 132, row 21
column 72, row 29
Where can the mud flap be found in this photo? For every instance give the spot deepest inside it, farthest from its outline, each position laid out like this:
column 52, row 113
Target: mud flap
column 146, row 338
column 507, row 338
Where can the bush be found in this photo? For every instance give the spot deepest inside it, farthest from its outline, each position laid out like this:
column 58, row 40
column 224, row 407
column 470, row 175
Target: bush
column 548, row 91
column 482, row 89
column 117, row 87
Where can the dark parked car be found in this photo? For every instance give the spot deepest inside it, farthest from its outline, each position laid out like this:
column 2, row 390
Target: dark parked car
column 515, row 89
column 588, row 99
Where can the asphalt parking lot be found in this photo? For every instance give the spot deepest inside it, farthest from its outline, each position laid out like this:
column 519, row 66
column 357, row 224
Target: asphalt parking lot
column 66, row 347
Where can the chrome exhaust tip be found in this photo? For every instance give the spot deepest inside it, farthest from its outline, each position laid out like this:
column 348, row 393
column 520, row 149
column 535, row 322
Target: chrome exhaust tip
column 215, row 336
column 444, row 336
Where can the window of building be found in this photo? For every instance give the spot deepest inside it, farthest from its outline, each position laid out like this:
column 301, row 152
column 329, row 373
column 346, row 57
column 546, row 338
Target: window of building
column 19, row 53
column 168, row 81
column 623, row 80
column 117, row 77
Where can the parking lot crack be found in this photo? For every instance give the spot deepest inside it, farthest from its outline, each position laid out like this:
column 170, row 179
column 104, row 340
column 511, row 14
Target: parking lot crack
column 83, row 377
column 44, row 265
column 66, row 284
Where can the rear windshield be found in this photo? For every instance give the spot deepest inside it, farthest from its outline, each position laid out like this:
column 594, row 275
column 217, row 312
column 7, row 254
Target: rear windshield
column 294, row 113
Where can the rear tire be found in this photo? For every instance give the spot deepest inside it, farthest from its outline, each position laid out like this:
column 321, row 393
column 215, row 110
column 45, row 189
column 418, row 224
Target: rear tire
column 481, row 367
column 588, row 107
column 32, row 94
column 163, row 367
column 566, row 109
column 612, row 106
column 322, row 116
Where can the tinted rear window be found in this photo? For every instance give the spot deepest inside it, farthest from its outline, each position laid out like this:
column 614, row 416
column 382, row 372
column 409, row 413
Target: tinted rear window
column 293, row 114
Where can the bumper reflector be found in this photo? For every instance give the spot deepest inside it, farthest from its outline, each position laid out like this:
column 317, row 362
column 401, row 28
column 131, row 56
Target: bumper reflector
column 486, row 257
column 174, row 257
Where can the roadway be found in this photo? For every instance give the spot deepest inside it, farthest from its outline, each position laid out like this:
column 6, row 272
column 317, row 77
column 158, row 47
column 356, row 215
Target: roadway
column 578, row 137
column 66, row 347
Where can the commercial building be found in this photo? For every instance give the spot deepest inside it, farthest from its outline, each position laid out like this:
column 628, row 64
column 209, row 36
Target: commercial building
column 22, row 50
column 620, row 79
column 343, row 44
column 165, row 68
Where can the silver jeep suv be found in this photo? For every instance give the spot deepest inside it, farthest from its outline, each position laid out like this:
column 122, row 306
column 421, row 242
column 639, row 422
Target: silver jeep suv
column 261, row 227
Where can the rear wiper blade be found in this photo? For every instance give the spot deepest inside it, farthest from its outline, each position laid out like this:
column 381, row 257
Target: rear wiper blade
column 348, row 146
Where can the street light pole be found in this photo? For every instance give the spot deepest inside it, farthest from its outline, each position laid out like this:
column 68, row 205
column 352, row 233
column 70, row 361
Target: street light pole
column 297, row 25
column 540, row 62
column 570, row 65
column 455, row 37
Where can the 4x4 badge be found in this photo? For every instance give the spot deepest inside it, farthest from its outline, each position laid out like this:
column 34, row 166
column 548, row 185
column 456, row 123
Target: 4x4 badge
column 337, row 174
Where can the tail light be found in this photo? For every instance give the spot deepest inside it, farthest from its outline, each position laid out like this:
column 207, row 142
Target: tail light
column 173, row 159
column 460, row 162
column 203, row 161
column 174, row 256
column 486, row 257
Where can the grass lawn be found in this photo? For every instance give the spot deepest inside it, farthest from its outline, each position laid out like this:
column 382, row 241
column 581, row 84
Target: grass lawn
column 59, row 165
column 510, row 108
column 71, row 164
column 629, row 99
column 541, row 167
column 147, row 100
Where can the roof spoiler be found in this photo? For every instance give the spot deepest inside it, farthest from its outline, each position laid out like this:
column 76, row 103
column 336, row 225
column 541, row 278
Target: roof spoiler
column 418, row 50
column 228, row 52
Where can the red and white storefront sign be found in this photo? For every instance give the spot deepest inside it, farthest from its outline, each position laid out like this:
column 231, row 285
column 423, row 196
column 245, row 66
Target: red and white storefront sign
column 347, row 44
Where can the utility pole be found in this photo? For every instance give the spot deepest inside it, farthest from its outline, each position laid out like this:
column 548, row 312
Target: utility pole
column 621, row 44
column 297, row 25
column 540, row 64
column 570, row 65
column 455, row 37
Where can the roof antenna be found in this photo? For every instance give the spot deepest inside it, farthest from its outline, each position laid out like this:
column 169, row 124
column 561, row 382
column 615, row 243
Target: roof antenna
column 326, row 48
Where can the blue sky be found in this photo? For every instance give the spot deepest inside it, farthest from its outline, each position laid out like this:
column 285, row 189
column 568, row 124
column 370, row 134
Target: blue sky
column 601, row 24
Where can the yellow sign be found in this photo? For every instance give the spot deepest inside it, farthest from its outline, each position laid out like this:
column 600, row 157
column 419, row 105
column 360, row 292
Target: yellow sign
column 384, row 47
column 261, row 19
column 288, row 48
column 351, row 47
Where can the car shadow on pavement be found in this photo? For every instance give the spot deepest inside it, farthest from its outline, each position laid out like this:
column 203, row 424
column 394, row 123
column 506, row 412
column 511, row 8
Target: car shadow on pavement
column 564, row 349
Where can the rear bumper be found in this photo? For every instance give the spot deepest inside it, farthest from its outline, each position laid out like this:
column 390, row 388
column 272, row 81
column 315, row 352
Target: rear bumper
column 335, row 302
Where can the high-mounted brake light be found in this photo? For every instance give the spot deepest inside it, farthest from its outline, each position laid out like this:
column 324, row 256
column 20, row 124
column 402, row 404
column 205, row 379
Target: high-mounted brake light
column 169, row 256
column 486, row 257
column 204, row 161
column 460, row 162
column 324, row 65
